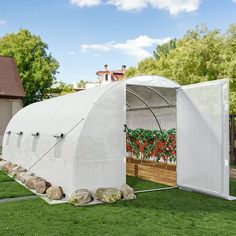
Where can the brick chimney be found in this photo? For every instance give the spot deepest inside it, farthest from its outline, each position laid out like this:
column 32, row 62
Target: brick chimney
column 123, row 69
column 105, row 67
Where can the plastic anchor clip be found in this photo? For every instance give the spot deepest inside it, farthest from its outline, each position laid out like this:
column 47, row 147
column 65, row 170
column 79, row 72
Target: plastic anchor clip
column 125, row 128
column 36, row 134
column 8, row 132
column 60, row 135
column 19, row 133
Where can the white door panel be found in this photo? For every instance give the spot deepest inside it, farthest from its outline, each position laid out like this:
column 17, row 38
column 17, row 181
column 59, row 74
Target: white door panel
column 202, row 138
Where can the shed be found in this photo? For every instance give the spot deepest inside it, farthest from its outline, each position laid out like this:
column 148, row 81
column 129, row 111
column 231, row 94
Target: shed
column 78, row 140
column 11, row 92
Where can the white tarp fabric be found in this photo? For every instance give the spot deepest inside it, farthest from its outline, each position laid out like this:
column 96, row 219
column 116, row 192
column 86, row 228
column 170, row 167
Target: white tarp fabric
column 92, row 154
column 84, row 158
column 157, row 93
column 203, row 138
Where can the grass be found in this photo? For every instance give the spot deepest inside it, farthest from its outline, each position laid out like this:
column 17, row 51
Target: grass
column 9, row 188
column 13, row 189
column 172, row 212
column 232, row 187
column 5, row 178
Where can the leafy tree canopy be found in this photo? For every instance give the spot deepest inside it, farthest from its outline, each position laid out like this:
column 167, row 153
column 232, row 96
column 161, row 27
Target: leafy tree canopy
column 201, row 55
column 61, row 88
column 36, row 65
column 82, row 84
column 164, row 49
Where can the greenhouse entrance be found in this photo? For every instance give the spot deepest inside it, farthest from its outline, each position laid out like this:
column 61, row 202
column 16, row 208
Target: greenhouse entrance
column 151, row 133
column 179, row 135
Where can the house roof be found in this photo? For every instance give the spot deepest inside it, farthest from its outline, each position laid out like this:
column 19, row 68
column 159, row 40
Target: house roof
column 118, row 72
column 10, row 82
column 103, row 72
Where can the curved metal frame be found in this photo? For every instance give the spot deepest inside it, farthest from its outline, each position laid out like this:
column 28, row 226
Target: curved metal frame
column 128, row 105
column 146, row 104
column 156, row 92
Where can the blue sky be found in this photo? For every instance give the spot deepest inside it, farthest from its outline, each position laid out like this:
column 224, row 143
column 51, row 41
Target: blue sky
column 83, row 35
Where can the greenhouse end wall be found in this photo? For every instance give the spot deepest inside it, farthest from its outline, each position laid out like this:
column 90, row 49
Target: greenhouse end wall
column 100, row 157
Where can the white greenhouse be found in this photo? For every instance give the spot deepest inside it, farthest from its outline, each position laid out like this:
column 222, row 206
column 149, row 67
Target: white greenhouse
column 78, row 140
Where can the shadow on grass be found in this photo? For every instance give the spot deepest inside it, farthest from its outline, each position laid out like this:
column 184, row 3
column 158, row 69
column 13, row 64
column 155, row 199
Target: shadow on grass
column 176, row 200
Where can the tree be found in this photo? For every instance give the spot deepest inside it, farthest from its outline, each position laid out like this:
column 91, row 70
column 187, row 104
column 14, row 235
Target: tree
column 61, row 88
column 36, row 65
column 81, row 84
column 201, row 55
column 164, row 49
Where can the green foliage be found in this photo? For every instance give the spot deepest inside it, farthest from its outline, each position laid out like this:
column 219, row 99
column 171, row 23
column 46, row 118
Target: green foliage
column 201, row 55
column 64, row 88
column 82, row 84
column 36, row 65
column 131, row 72
column 60, row 88
column 153, row 144
column 164, row 49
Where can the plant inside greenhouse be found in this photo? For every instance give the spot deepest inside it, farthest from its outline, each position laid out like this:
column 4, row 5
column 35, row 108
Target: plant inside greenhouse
column 156, row 145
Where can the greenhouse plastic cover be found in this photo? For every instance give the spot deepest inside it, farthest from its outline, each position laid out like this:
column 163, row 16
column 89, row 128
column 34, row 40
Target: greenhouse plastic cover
column 92, row 153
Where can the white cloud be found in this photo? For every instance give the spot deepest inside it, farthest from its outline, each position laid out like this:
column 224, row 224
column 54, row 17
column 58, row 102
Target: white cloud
column 173, row 6
column 2, row 22
column 137, row 47
column 85, row 3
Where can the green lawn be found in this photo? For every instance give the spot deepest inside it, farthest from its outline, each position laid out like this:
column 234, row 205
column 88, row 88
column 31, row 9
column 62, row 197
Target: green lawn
column 172, row 212
column 13, row 189
column 10, row 188
column 4, row 177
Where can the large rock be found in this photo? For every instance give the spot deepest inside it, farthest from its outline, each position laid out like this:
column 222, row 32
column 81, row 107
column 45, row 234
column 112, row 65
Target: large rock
column 31, row 181
column 42, row 185
column 55, row 193
column 8, row 167
column 108, row 194
column 127, row 192
column 2, row 163
column 17, row 169
column 80, row 197
column 22, row 176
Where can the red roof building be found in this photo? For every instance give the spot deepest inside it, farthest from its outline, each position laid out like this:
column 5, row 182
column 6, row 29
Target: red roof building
column 111, row 75
column 10, row 82
column 11, row 92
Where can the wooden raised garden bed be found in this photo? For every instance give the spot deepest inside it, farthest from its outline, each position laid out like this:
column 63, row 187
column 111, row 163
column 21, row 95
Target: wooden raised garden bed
column 153, row 171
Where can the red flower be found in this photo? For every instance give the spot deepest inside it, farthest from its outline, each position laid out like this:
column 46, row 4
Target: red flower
column 164, row 158
column 128, row 147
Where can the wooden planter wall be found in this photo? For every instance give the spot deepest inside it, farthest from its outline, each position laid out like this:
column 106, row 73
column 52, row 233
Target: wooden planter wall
column 158, row 172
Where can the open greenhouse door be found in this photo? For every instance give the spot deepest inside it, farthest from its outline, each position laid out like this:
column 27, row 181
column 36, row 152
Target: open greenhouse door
column 203, row 138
